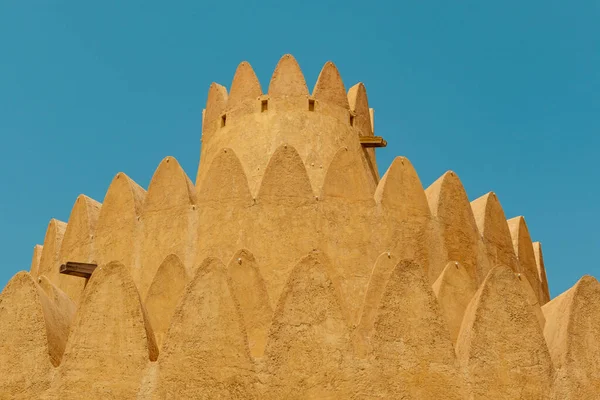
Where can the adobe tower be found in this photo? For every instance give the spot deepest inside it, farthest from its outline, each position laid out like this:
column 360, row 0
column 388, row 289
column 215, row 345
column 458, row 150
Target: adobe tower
column 291, row 269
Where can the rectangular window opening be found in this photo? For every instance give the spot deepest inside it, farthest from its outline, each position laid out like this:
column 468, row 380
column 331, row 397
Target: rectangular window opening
column 223, row 120
column 351, row 120
column 311, row 105
column 264, row 105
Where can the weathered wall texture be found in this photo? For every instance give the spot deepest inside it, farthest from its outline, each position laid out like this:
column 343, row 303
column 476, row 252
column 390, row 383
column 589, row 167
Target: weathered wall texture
column 164, row 294
column 308, row 352
column 206, row 352
column 501, row 343
column 110, row 342
column 573, row 335
column 411, row 342
column 34, row 333
column 248, row 287
column 454, row 290
column 292, row 270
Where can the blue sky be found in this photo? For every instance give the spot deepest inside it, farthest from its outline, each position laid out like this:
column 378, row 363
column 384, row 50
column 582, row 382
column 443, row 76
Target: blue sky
column 506, row 94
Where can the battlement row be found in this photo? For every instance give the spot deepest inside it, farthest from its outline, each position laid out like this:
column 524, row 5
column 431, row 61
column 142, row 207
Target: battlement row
column 192, row 331
column 287, row 92
column 432, row 226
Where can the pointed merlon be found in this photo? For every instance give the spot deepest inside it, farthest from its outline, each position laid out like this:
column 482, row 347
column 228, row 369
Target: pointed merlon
column 164, row 294
column 170, row 187
column 309, row 348
column 490, row 220
column 77, row 244
column 449, row 203
column 573, row 336
column 215, row 106
column 135, row 193
column 82, row 222
column 250, row 291
column 532, row 300
column 168, row 212
column 539, row 260
column 245, row 86
column 223, row 195
column 35, row 260
column 500, row 337
column 523, row 248
column 405, row 217
column 401, row 190
column 49, row 261
column 346, row 178
column 492, row 226
column 62, row 302
column 116, row 229
column 380, row 275
column 359, row 105
column 411, row 343
column 285, row 177
column 205, row 354
column 113, row 361
column 454, row 290
column 225, row 180
column 330, row 87
column 59, row 312
column 34, row 332
column 56, row 318
column 287, row 79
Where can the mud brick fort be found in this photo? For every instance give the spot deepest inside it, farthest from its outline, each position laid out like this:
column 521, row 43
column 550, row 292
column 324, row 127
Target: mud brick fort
column 292, row 270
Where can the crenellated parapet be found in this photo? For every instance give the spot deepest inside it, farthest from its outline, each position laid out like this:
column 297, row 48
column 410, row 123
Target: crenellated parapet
column 254, row 124
column 291, row 270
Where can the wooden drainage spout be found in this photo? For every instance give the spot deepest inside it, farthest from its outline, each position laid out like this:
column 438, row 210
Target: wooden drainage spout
column 82, row 270
column 372, row 141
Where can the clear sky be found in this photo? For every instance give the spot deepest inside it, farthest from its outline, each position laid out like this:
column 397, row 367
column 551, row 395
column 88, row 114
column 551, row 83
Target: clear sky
column 506, row 94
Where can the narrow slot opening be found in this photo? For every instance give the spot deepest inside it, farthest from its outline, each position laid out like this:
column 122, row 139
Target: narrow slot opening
column 311, row 105
column 264, row 105
column 223, row 120
column 351, row 120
